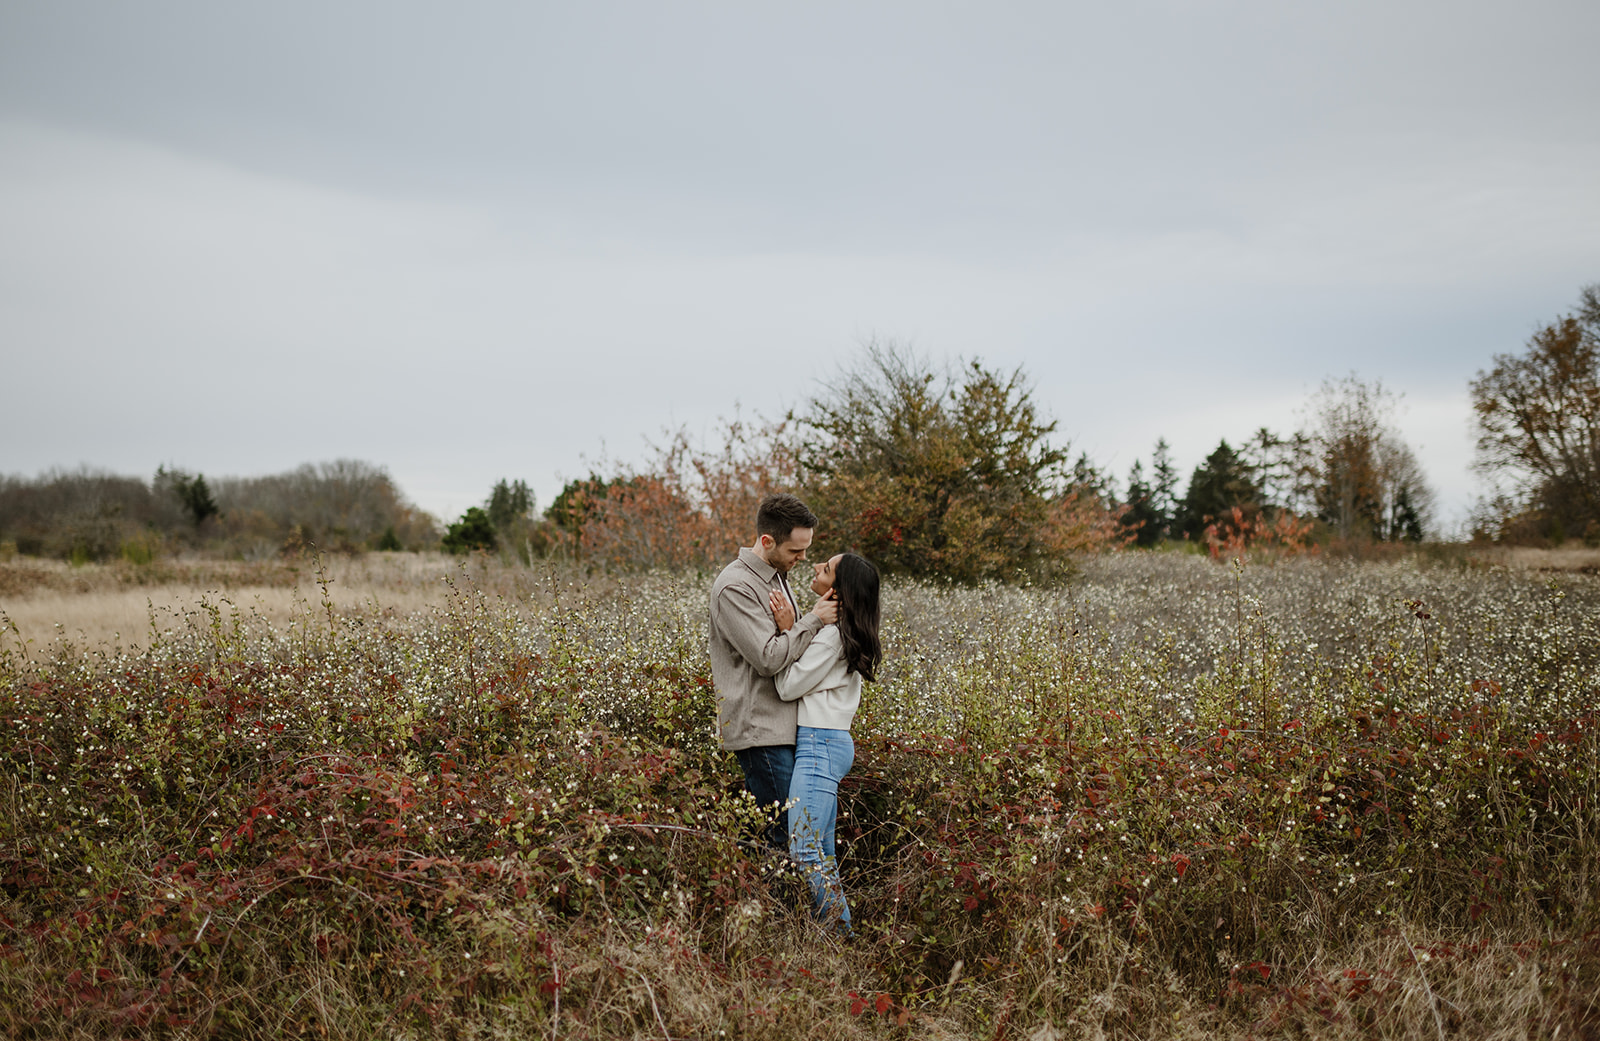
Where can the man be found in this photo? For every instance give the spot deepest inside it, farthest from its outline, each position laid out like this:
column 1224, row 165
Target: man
column 748, row 650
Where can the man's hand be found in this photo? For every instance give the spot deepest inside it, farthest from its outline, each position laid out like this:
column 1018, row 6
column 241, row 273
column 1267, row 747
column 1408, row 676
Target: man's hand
column 781, row 611
column 827, row 609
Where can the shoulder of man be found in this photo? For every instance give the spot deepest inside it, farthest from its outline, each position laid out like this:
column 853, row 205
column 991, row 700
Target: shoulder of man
column 737, row 582
column 739, row 571
column 736, row 573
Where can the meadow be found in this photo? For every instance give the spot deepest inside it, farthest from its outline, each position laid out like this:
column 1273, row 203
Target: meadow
column 395, row 796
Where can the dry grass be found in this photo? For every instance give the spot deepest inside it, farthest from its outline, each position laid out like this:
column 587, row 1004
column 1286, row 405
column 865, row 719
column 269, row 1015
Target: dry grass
column 1575, row 557
column 52, row 603
column 127, row 617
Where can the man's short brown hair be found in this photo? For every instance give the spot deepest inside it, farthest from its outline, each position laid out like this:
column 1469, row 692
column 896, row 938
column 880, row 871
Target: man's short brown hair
column 780, row 514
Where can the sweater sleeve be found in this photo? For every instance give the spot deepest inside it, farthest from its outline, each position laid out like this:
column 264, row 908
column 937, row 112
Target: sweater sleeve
column 813, row 666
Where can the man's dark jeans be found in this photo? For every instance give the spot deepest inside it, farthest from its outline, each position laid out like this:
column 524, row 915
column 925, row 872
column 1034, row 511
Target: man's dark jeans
column 767, row 771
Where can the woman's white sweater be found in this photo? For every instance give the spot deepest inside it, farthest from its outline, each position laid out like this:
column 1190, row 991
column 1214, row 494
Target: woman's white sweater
column 827, row 691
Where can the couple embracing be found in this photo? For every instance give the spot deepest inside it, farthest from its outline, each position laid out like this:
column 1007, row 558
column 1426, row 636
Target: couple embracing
column 788, row 685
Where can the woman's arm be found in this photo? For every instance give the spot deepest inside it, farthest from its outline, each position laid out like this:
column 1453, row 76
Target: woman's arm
column 822, row 656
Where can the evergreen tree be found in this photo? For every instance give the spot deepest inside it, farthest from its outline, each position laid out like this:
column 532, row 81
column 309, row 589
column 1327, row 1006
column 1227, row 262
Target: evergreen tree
column 472, row 531
column 1283, row 469
column 1164, row 485
column 1090, row 478
column 1142, row 518
column 509, row 502
column 1219, row 484
column 1405, row 525
column 192, row 493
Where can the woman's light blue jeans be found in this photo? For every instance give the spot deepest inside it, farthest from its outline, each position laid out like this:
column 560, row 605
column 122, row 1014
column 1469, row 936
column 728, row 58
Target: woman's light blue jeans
column 821, row 759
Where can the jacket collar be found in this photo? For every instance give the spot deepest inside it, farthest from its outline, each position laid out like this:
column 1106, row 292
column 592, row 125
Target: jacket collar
column 766, row 572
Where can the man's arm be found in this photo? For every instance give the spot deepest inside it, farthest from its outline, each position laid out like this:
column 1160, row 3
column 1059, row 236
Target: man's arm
column 749, row 626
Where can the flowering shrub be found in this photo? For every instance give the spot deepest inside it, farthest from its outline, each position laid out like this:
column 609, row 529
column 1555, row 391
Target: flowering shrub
column 1172, row 800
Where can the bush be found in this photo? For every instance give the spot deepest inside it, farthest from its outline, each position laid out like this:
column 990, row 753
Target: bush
column 957, row 479
column 691, row 506
column 949, row 474
column 472, row 532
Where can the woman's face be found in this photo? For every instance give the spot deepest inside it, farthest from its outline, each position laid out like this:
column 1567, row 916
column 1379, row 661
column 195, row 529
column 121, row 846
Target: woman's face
column 822, row 577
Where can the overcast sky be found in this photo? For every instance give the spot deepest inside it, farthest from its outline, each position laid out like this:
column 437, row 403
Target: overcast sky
column 471, row 240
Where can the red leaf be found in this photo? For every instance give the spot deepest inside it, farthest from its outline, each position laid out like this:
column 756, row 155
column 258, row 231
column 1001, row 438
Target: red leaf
column 883, row 1004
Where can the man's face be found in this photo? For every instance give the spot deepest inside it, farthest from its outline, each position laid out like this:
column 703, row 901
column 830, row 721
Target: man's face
column 786, row 554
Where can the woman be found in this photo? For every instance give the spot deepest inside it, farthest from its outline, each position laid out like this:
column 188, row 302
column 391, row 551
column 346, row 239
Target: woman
column 827, row 682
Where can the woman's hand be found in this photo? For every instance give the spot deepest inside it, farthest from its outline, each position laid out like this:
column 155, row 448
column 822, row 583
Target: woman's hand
column 781, row 610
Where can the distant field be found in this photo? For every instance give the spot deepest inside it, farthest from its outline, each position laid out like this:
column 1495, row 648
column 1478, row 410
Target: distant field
column 101, row 604
column 1171, row 799
column 94, row 604
column 1566, row 558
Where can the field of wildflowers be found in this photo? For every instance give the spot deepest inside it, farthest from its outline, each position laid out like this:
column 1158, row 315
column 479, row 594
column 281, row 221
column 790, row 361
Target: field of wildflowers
column 1173, row 798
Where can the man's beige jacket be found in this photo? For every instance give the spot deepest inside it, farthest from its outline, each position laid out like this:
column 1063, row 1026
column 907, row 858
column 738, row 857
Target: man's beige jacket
column 747, row 650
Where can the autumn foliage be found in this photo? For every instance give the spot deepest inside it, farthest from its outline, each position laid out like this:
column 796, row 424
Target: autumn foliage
column 925, row 471
column 1242, row 529
column 689, row 507
column 1538, row 425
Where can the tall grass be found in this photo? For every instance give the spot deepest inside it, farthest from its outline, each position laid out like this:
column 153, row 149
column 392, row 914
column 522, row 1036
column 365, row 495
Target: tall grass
column 1172, row 800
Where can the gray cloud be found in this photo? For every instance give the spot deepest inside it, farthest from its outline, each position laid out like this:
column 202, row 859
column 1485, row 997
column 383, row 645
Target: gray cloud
column 489, row 240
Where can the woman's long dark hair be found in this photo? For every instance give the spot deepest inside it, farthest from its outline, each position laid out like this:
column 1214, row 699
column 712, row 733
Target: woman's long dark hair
column 855, row 586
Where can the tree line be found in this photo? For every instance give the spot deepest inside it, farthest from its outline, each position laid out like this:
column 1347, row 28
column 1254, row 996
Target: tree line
column 1349, row 471
column 948, row 470
column 955, row 472
column 86, row 515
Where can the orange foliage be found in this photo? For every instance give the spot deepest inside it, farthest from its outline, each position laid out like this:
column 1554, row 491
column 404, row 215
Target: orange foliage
column 694, row 507
column 1233, row 534
column 1079, row 522
column 691, row 507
